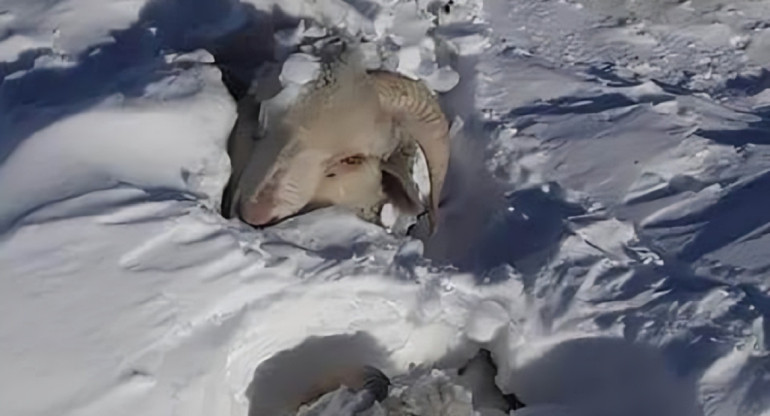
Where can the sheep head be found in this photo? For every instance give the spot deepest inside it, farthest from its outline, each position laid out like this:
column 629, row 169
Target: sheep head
column 336, row 143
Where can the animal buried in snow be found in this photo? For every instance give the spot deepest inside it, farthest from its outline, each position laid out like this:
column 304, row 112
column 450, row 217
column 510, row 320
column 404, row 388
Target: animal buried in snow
column 350, row 139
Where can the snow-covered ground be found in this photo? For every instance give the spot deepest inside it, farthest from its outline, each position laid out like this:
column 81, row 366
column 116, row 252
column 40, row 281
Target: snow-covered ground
column 604, row 232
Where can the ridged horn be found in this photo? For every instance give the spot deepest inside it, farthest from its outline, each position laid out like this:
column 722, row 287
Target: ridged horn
column 414, row 106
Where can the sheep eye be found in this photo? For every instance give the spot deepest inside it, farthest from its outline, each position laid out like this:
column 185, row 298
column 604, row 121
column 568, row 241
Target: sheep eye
column 353, row 160
column 346, row 165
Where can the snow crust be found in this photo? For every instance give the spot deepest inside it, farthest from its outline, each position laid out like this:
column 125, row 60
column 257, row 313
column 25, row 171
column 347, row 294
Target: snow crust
column 604, row 232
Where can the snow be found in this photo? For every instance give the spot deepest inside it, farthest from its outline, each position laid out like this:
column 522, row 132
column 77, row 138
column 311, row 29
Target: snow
column 604, row 231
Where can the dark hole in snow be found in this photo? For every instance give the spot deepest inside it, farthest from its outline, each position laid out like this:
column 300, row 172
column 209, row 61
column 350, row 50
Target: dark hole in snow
column 351, row 366
column 316, row 366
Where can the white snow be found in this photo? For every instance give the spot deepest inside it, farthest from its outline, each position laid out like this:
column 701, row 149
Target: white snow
column 604, row 231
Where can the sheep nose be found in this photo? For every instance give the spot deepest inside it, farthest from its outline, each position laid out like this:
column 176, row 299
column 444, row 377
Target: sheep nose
column 258, row 213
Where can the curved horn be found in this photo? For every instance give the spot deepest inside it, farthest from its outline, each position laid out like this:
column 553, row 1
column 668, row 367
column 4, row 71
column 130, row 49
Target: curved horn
column 416, row 108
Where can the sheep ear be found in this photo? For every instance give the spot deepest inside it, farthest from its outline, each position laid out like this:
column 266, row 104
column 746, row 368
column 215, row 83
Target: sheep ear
column 397, row 182
column 400, row 193
column 411, row 104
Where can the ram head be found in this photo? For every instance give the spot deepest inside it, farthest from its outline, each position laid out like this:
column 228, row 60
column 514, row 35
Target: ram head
column 348, row 140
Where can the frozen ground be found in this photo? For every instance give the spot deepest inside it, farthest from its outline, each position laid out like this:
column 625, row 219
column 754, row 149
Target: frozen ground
column 604, row 232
